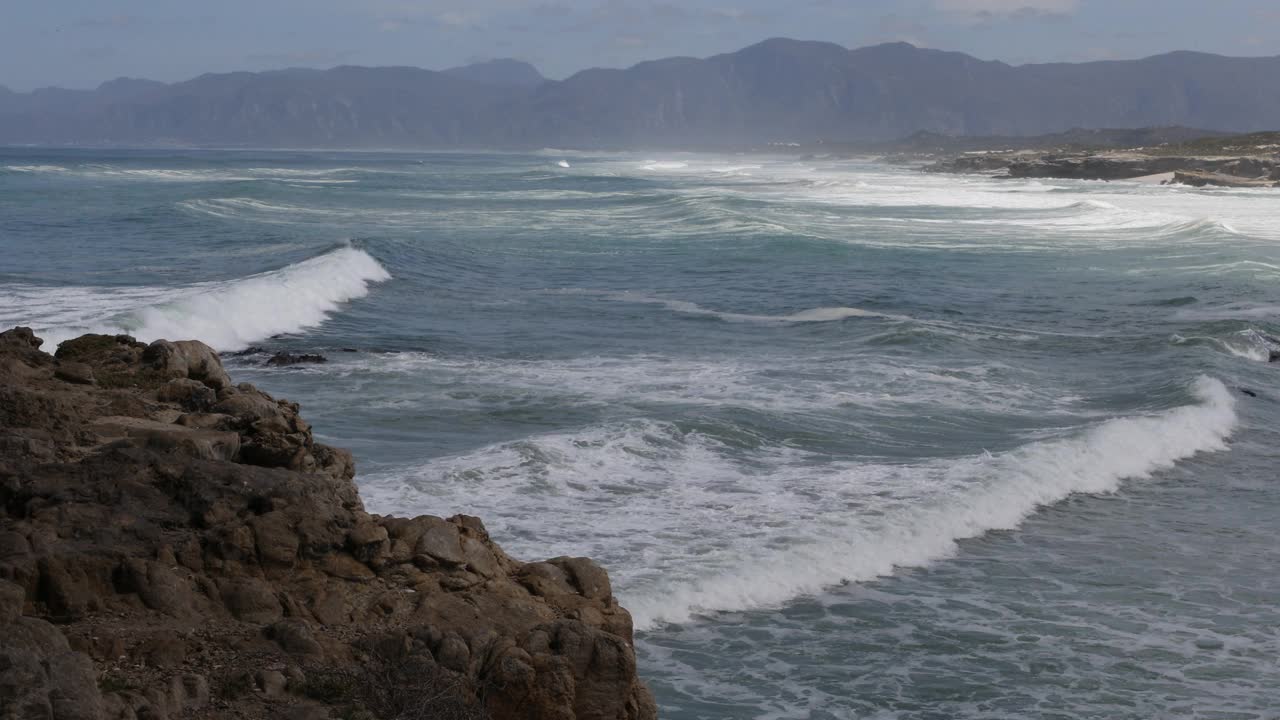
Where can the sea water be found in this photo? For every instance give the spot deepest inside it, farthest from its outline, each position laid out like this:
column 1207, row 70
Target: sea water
column 853, row 441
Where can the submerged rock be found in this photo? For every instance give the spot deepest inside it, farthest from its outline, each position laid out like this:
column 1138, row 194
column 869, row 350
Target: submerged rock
column 284, row 358
column 173, row 545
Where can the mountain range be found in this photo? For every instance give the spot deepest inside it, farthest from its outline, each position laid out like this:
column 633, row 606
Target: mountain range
column 776, row 91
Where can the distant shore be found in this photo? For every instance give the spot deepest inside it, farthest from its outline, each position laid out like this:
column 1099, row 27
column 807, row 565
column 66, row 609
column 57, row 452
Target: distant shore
column 1233, row 161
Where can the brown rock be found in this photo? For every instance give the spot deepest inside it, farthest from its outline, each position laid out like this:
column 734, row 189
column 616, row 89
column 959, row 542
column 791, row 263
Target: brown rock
column 295, row 637
column 590, row 579
column 275, row 539
column 169, row 437
column 165, row 649
column 196, row 689
column 441, row 543
column 251, row 600
column 160, row 588
column 176, row 559
column 453, row 652
column 546, row 580
column 75, row 372
column 272, row 683
column 187, row 359
column 249, row 406
column 41, row 677
column 369, row 542
column 192, row 395
column 480, row 560
column 66, row 590
column 307, row 712
column 12, row 600
column 347, row 568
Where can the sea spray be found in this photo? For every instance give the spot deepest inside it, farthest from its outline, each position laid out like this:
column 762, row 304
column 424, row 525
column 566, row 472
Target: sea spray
column 982, row 493
column 231, row 315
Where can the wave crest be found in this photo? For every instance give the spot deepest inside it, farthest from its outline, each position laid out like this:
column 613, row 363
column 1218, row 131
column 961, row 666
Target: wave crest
column 226, row 315
column 692, row 523
column 820, row 314
column 1020, row 482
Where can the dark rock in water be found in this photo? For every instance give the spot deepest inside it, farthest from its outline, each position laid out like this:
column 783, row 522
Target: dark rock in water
column 251, row 350
column 1249, row 392
column 1274, row 357
column 1192, row 170
column 173, row 545
column 350, row 350
column 976, row 163
column 283, row 358
column 1194, row 178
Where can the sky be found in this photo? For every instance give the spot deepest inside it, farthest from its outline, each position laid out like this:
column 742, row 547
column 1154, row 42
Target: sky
column 81, row 43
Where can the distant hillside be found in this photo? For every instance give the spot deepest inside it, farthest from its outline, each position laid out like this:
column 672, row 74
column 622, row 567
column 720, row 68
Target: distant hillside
column 505, row 72
column 775, row 91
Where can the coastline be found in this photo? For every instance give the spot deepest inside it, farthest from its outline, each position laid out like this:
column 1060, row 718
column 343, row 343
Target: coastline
column 1212, row 165
column 178, row 546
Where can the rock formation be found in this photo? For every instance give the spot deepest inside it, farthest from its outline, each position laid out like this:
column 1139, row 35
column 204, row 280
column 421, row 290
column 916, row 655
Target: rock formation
column 1245, row 171
column 285, row 358
column 1194, row 178
column 173, row 545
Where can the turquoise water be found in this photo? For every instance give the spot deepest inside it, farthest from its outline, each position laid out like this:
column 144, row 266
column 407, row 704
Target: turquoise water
column 852, row 440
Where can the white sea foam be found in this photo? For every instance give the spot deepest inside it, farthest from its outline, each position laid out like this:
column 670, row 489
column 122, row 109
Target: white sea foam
column 690, row 525
column 667, row 166
column 965, row 498
column 227, row 315
column 821, row 314
column 1248, row 344
column 1234, row 311
column 816, row 387
column 36, row 168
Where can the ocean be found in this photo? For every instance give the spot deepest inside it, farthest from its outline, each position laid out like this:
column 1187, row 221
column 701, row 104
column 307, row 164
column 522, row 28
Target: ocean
column 853, row 441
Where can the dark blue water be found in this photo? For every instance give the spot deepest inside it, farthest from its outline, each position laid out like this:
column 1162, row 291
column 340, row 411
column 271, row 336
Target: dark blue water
column 853, row 441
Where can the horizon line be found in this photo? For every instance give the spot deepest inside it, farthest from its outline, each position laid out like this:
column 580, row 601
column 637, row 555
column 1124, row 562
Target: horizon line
column 889, row 43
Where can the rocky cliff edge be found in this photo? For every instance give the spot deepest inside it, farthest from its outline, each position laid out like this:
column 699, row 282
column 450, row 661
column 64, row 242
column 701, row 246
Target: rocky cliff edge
column 176, row 546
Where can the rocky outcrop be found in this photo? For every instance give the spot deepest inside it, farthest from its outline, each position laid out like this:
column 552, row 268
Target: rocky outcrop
column 285, row 358
column 173, row 545
column 972, row 163
column 1124, row 166
column 1210, row 179
column 1258, row 171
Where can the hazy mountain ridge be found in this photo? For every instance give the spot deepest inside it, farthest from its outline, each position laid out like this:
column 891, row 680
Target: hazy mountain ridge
column 504, row 71
column 775, row 91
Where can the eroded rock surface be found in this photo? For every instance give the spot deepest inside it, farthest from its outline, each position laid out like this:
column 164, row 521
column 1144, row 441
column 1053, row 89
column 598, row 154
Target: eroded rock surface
column 173, row 545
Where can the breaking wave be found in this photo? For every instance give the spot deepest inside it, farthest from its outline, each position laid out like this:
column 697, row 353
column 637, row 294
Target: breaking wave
column 695, row 523
column 227, row 315
column 969, row 497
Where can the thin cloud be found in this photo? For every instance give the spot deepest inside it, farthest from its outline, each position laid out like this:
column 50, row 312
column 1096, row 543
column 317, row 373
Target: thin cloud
column 1016, row 9
column 303, row 57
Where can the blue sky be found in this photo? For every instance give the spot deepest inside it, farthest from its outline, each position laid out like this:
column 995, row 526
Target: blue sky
column 80, row 43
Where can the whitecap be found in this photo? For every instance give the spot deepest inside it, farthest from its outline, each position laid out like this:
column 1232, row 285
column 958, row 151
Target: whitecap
column 227, row 315
column 690, row 524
